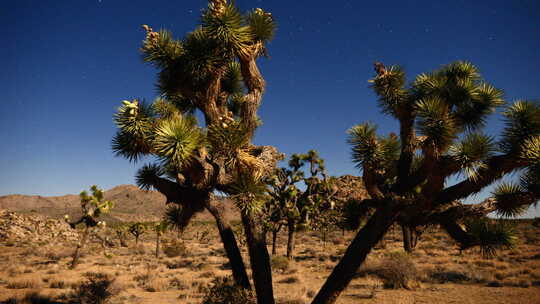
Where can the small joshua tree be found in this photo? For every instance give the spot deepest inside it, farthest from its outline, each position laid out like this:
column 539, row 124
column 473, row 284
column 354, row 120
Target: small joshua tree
column 137, row 229
column 299, row 208
column 160, row 228
column 92, row 207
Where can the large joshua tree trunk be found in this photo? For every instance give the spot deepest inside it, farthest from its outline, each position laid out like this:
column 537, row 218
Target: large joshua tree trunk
column 158, row 240
column 260, row 260
column 274, row 239
column 356, row 254
column 291, row 238
column 77, row 254
column 230, row 245
column 408, row 245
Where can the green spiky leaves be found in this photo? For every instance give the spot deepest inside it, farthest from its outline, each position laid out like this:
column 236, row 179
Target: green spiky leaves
column 510, row 199
column 370, row 150
column 147, row 176
column 176, row 140
column 261, row 25
column 435, row 122
column 471, row 151
column 160, row 48
column 491, row 235
column 389, row 86
column 227, row 27
column 522, row 121
column 135, row 122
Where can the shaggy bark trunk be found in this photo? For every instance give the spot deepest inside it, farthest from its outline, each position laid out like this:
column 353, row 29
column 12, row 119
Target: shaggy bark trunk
column 158, row 239
column 260, row 260
column 231, row 247
column 407, row 238
column 77, row 254
column 274, row 239
column 291, row 239
column 356, row 254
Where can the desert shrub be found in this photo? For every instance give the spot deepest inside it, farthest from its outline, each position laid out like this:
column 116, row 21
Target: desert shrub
column 280, row 263
column 396, row 270
column 31, row 298
column 441, row 275
column 176, row 283
column 23, row 283
column 290, row 280
column 97, row 289
column 178, row 264
column 157, row 285
column 223, row 290
column 174, row 249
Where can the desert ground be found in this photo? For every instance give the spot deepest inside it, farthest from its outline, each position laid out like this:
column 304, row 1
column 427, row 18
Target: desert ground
column 35, row 253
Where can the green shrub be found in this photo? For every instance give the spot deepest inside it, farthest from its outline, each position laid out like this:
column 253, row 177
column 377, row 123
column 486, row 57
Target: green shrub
column 174, row 249
column 396, row 270
column 279, row 263
column 97, row 289
column 223, row 290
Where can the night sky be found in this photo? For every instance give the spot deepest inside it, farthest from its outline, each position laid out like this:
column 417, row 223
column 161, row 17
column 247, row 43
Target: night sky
column 68, row 64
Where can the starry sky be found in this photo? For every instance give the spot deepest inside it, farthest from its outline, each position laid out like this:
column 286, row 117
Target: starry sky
column 67, row 64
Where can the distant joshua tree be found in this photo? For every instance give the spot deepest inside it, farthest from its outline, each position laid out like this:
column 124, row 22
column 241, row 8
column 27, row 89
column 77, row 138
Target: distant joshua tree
column 441, row 115
column 92, row 207
column 213, row 69
column 160, row 228
column 297, row 208
column 137, row 229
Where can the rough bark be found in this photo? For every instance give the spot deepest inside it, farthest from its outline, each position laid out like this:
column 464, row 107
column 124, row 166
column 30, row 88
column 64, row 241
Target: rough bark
column 356, row 254
column 274, row 240
column 77, row 254
column 158, row 239
column 260, row 260
column 230, row 245
column 407, row 238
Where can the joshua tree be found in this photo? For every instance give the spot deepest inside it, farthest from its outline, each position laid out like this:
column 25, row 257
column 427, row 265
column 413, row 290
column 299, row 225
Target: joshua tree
column 92, row 207
column 300, row 207
column 160, row 227
column 137, row 229
column 213, row 69
column 441, row 115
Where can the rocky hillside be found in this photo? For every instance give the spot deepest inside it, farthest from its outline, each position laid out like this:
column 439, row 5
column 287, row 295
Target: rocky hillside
column 131, row 204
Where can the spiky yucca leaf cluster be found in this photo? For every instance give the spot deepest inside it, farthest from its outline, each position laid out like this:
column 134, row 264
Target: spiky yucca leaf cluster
column 176, row 140
column 522, row 121
column 173, row 215
column 491, row 235
column 370, row 150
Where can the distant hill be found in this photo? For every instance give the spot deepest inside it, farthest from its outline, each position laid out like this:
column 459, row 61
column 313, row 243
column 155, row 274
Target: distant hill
column 131, row 204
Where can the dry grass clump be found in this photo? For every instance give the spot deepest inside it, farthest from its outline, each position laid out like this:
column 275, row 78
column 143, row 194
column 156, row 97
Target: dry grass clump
column 174, row 249
column 280, row 263
column 157, row 285
column 23, row 283
column 396, row 270
column 224, row 290
column 32, row 297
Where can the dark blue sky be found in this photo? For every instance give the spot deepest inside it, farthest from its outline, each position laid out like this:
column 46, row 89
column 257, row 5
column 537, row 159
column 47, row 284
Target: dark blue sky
column 68, row 64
